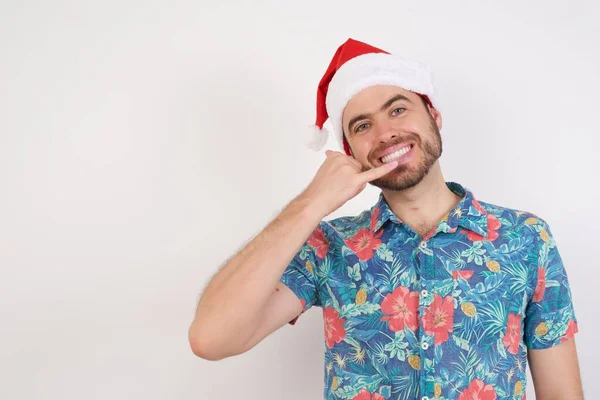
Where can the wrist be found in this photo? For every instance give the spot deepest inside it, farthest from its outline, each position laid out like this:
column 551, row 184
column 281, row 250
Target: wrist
column 309, row 206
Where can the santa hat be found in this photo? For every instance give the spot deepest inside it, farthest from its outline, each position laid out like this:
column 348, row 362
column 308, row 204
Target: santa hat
column 357, row 66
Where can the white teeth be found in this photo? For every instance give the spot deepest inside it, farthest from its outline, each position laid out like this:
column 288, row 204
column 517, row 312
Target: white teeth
column 395, row 155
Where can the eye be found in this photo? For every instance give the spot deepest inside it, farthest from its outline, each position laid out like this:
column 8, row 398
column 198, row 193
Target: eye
column 399, row 110
column 361, row 127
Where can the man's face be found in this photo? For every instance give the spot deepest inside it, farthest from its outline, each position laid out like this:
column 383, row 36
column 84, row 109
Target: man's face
column 383, row 123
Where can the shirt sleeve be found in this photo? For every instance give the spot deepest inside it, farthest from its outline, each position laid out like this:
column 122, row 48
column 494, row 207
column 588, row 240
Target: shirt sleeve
column 550, row 316
column 300, row 275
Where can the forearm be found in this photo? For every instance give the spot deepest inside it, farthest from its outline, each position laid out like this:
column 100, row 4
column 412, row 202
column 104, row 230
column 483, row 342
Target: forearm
column 231, row 304
column 555, row 372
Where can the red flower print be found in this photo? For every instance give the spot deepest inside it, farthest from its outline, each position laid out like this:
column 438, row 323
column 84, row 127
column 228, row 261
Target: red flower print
column 439, row 318
column 478, row 207
column 334, row 327
column 364, row 394
column 401, row 308
column 512, row 337
column 364, row 243
column 571, row 331
column 493, row 224
column 540, row 288
column 466, row 274
column 477, row 390
column 319, row 242
column 472, row 236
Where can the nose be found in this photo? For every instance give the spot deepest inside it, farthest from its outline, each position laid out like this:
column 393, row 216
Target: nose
column 384, row 131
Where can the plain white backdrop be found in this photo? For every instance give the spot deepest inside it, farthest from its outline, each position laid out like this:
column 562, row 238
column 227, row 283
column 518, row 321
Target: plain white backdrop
column 142, row 143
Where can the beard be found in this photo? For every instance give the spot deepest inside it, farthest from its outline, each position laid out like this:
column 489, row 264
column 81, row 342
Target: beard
column 404, row 176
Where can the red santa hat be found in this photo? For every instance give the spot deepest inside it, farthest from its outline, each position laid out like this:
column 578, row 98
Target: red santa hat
column 356, row 66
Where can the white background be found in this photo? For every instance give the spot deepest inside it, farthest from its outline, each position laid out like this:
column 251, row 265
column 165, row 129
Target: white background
column 142, row 144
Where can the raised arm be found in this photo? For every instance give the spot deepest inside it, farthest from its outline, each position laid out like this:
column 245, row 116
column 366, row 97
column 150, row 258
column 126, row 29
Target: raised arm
column 245, row 301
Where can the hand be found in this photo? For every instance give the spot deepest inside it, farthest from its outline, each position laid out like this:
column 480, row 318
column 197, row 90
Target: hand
column 339, row 179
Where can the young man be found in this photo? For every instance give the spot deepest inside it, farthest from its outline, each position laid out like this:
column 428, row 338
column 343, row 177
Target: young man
column 430, row 294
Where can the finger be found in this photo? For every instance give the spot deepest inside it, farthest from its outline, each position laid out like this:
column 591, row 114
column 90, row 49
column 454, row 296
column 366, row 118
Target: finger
column 378, row 172
column 333, row 153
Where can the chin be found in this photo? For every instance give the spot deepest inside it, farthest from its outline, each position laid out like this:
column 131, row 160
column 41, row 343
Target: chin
column 400, row 179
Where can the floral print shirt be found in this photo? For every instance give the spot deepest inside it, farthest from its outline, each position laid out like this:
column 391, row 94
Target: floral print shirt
column 446, row 316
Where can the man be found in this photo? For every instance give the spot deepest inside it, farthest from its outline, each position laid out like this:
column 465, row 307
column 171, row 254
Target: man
column 430, row 294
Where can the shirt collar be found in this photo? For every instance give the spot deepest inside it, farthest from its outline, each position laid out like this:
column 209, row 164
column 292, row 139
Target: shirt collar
column 468, row 213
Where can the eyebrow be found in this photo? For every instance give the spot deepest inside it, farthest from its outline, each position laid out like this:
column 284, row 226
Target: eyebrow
column 388, row 103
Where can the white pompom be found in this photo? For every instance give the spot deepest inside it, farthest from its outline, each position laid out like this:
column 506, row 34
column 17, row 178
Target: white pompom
column 317, row 138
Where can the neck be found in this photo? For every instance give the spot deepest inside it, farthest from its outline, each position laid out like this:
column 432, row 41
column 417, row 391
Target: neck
column 424, row 205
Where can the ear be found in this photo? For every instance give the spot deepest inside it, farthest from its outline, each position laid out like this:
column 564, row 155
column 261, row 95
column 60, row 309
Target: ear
column 436, row 115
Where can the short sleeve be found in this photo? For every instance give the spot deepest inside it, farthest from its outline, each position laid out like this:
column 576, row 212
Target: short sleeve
column 550, row 316
column 300, row 275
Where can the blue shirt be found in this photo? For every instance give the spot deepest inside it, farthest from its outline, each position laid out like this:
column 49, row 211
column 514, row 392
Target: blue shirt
column 447, row 316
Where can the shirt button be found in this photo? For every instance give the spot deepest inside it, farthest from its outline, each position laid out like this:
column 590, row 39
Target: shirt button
column 423, row 244
column 424, row 346
column 424, row 293
column 424, row 398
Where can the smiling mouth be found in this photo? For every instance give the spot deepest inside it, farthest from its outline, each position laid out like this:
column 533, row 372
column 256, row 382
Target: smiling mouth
column 396, row 155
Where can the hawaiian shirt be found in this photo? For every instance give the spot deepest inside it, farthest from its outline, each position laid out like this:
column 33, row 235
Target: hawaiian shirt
column 447, row 316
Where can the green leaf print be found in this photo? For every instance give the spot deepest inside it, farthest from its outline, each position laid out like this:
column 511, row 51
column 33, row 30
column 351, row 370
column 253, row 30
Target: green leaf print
column 390, row 275
column 354, row 272
column 353, row 310
column 407, row 278
column 396, row 346
column 323, row 269
column 518, row 280
column 384, row 253
column 466, row 364
column 371, row 383
column 380, row 355
column 443, row 289
column 493, row 318
column 463, row 344
column 474, row 253
column 500, row 346
column 490, row 289
column 336, row 305
column 385, row 391
column 351, row 341
column 552, row 284
column 516, row 250
column 500, row 392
